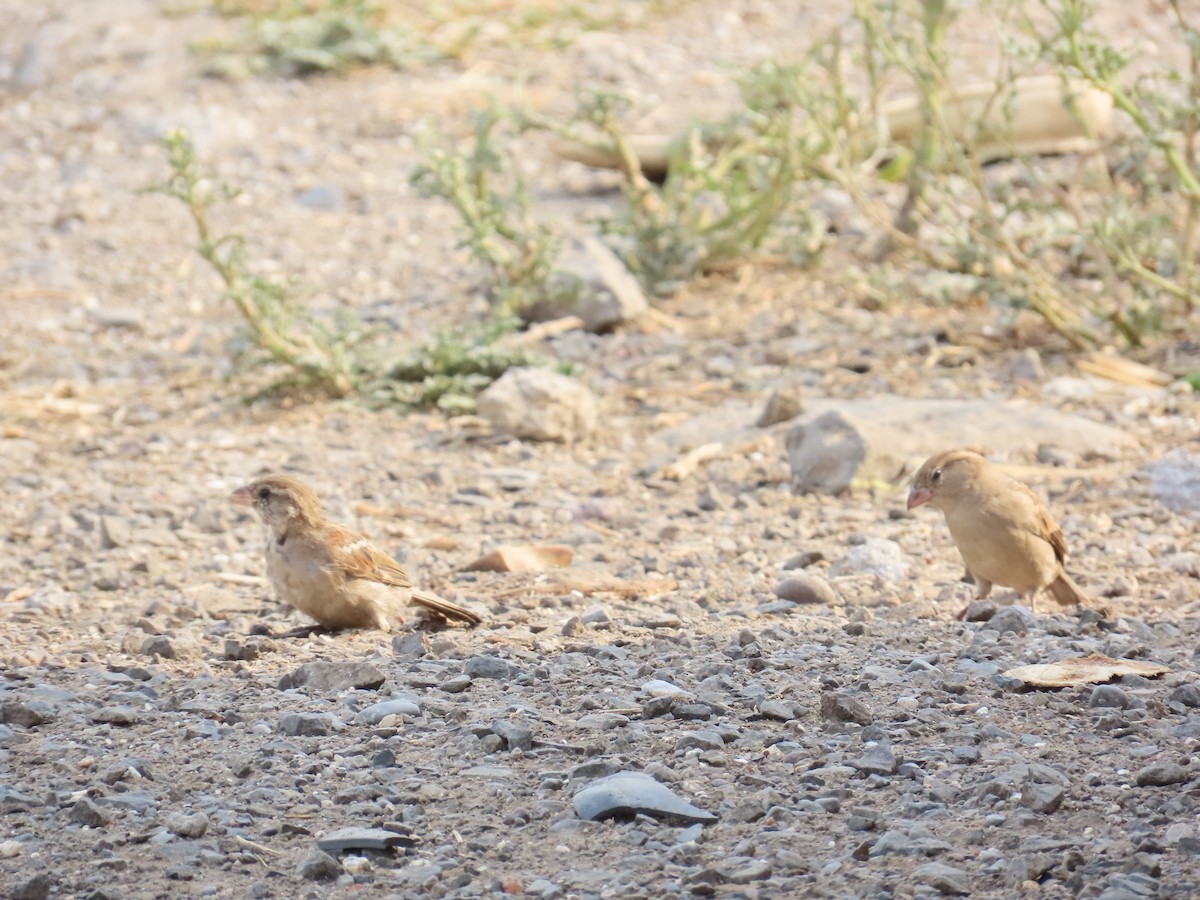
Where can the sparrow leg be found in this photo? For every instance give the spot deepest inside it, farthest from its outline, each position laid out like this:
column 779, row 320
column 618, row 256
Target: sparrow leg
column 983, row 587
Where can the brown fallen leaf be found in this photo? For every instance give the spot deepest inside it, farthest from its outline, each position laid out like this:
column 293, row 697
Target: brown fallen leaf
column 18, row 593
column 442, row 542
column 1078, row 670
column 523, row 558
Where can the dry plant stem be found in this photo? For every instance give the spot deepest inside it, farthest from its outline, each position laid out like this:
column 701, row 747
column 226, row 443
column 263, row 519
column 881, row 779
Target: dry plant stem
column 1191, row 126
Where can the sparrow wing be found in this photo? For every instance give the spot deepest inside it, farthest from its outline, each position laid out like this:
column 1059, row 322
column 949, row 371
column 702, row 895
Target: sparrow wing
column 1043, row 524
column 354, row 556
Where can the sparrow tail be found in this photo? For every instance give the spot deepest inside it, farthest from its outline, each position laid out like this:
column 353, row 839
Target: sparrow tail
column 445, row 608
column 1065, row 591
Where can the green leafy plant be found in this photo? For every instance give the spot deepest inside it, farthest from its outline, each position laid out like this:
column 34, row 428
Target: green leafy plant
column 482, row 183
column 333, row 359
column 317, row 355
column 295, row 38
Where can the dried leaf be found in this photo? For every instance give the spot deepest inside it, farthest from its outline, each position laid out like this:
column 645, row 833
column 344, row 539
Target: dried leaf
column 1078, row 670
column 525, row 558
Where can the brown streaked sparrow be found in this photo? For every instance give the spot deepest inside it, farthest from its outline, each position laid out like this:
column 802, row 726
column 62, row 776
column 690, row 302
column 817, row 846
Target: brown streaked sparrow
column 1005, row 534
column 328, row 571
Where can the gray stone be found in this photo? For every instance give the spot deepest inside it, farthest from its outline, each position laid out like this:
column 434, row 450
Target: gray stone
column 783, row 710
column 873, row 438
column 35, row 888
column 114, row 532
column 1108, row 695
column 489, row 667
column 803, row 560
column 878, row 760
column 1160, row 774
column 591, row 282
column 115, row 715
column 942, row 878
column 629, row 793
column 25, row 715
column 514, row 735
column 186, row 826
column 157, row 646
column 1042, row 798
column 88, row 814
column 1175, row 480
column 1187, row 694
column 917, row 841
column 1017, row 619
column 455, row 684
column 876, row 556
column 397, row 706
column 411, row 646
column 783, row 404
column 704, row 739
column 318, row 866
column 597, row 615
column 324, row 197
column 332, row 677
column 306, row 724
column 805, row 588
column 837, row 707
column 540, row 405
column 1026, row 366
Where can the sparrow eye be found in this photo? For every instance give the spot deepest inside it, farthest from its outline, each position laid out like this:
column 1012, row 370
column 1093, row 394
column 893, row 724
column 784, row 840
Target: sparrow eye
column 264, row 493
column 936, row 476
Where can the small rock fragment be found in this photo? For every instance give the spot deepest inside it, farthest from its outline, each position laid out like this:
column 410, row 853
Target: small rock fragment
column 318, row 866
column 186, row 826
column 1160, row 775
column 805, row 588
column 306, row 724
column 839, row 707
column 489, row 667
column 540, row 405
column 332, row 677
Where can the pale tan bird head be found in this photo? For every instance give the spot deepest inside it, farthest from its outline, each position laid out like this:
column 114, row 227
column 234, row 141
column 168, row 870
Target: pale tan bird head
column 944, row 478
column 280, row 501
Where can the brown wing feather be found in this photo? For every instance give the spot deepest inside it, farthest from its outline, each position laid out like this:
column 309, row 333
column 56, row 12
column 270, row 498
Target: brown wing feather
column 357, row 557
column 1046, row 527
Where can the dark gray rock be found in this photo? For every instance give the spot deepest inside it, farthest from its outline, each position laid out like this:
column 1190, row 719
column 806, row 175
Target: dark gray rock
column 1108, row 695
column 515, row 735
column 1017, row 619
column 839, row 707
column 878, row 760
column 629, row 793
column 307, row 724
column 1161, row 774
column 1187, row 694
column 35, row 888
column 318, row 866
column 115, row 715
column 489, row 667
column 158, row 646
column 1042, row 798
column 331, row 677
column 88, row 814
column 26, row 715
column 942, row 878
column 186, row 826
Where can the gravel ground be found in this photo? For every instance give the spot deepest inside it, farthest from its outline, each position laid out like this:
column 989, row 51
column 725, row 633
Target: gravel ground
column 157, row 741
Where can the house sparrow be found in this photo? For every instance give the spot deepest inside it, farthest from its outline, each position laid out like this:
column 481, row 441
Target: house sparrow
column 1004, row 533
column 327, row 571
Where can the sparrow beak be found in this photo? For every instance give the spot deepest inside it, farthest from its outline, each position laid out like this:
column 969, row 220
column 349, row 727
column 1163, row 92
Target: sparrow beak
column 918, row 497
column 242, row 497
